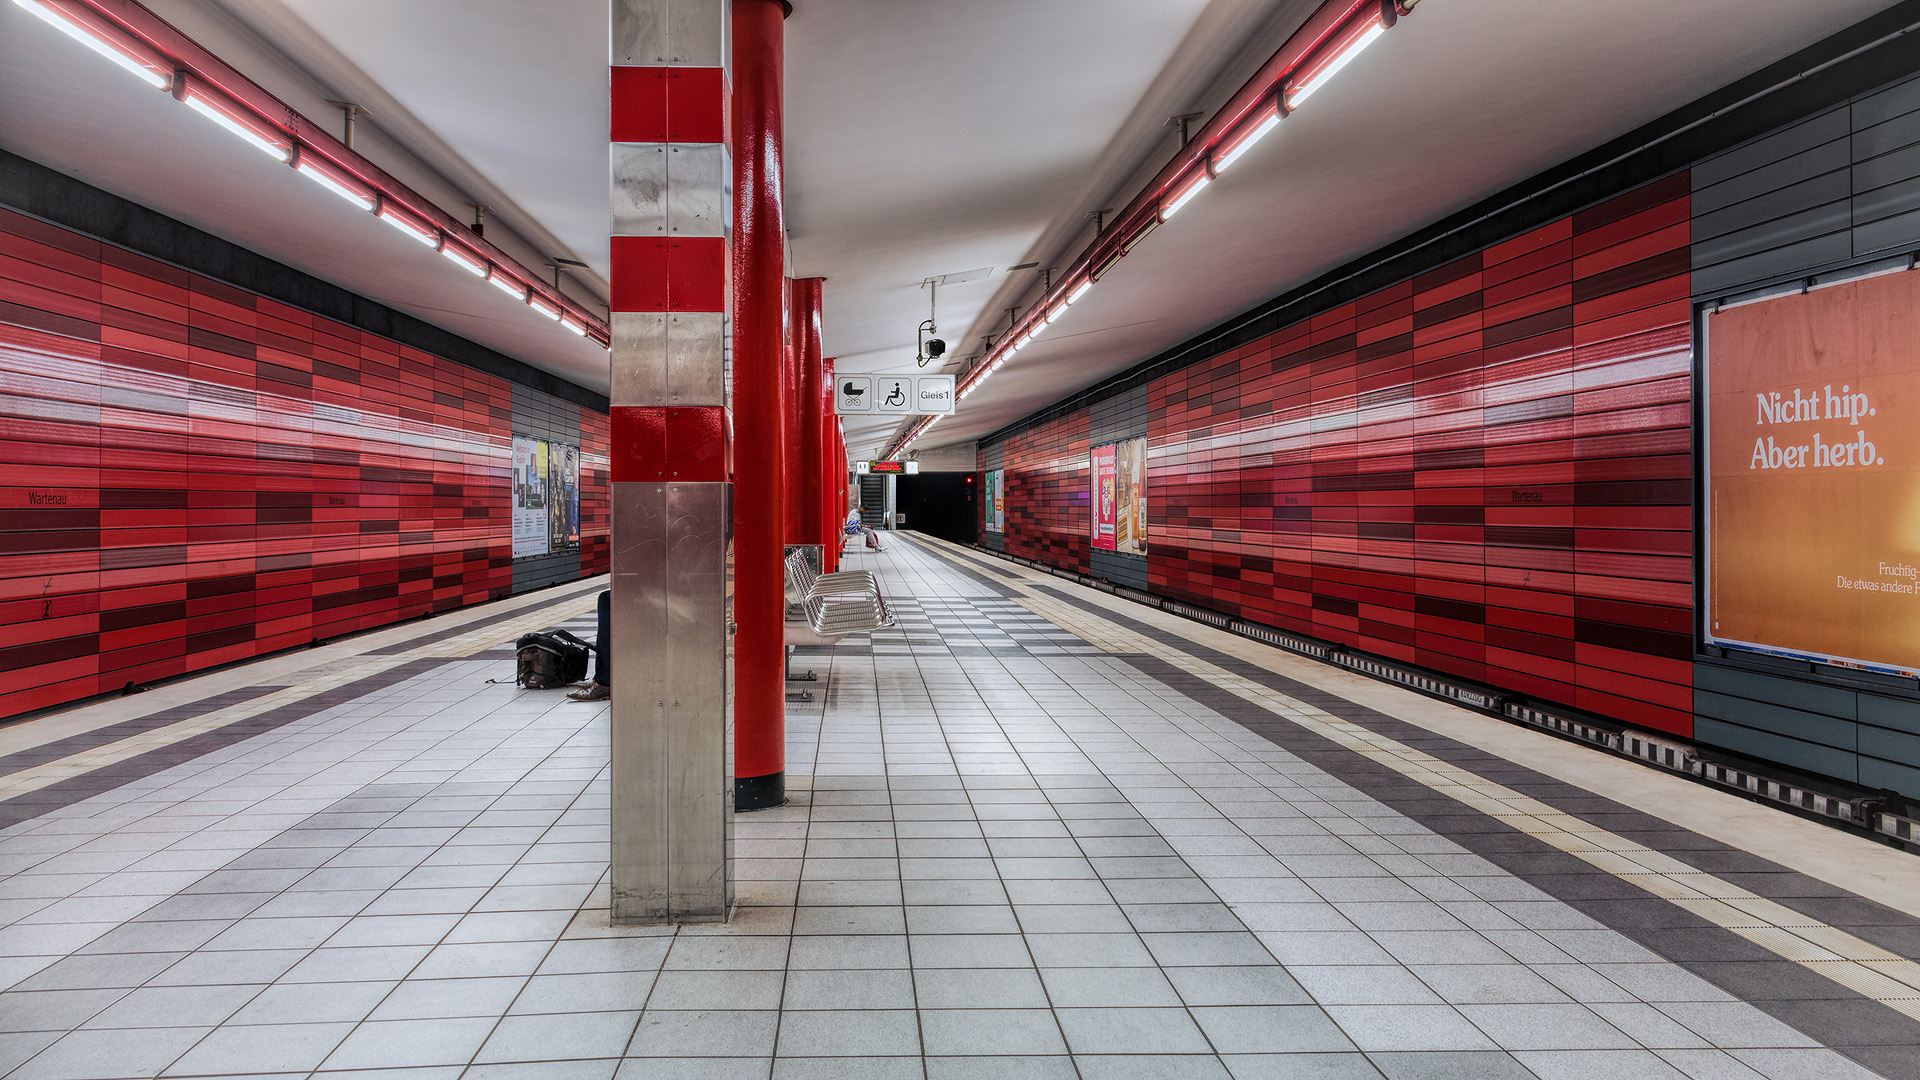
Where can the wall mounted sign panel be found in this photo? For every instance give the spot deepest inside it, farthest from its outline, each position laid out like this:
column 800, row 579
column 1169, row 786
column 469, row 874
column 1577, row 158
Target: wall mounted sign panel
column 862, row 394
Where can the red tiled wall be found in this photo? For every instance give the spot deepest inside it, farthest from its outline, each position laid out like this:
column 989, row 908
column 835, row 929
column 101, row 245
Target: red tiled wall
column 196, row 474
column 596, row 493
column 1047, row 492
column 1484, row 471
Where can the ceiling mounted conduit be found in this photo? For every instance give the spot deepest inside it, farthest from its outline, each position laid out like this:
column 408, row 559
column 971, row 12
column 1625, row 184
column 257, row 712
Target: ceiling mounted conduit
column 1331, row 37
column 152, row 50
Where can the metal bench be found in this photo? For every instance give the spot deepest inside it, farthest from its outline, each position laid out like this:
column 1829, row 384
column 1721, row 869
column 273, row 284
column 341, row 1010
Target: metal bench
column 866, row 539
column 834, row 605
column 848, row 602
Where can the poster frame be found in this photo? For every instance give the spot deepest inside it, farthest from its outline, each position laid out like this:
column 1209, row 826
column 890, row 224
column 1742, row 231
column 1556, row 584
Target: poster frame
column 1125, row 496
column 1103, row 515
column 1707, row 643
column 523, row 518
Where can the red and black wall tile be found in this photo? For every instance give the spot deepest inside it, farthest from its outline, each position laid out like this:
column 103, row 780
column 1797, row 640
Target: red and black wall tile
column 198, row 474
column 1484, row 470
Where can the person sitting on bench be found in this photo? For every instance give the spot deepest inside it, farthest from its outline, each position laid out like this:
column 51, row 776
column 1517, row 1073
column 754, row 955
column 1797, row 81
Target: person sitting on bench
column 600, row 688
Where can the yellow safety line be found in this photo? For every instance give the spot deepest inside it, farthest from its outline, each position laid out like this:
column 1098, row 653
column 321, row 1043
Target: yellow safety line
column 1861, row 966
column 486, row 637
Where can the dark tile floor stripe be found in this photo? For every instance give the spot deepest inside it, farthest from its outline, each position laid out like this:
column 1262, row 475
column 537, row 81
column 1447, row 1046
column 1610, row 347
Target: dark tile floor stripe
column 964, row 570
column 1863, row 1029
column 1876, row 1036
column 74, row 789
column 87, row 740
column 1892, row 930
column 476, row 624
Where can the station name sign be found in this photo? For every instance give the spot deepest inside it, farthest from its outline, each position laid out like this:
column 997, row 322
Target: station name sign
column 894, row 468
column 865, row 394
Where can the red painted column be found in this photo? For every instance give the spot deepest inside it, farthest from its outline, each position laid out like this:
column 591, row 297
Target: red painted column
column 760, row 411
column 827, row 460
column 841, row 470
column 804, row 471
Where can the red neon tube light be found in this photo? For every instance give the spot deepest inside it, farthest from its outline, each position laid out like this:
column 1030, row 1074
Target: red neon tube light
column 1329, row 39
column 146, row 45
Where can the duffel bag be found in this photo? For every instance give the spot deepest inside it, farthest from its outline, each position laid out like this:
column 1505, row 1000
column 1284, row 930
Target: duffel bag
column 550, row 658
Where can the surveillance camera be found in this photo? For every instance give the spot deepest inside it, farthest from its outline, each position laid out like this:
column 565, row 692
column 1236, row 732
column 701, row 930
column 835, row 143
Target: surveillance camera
column 935, row 347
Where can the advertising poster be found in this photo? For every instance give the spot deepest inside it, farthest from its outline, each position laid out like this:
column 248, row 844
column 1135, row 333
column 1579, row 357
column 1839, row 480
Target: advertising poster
column 1130, row 496
column 1104, row 498
column 563, row 504
column 994, row 517
column 573, row 495
column 1813, row 438
column 529, row 497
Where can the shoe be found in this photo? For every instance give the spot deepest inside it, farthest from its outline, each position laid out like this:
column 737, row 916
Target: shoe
column 593, row 692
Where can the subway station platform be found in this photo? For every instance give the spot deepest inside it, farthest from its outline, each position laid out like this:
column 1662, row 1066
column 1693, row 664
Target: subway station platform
column 1036, row 832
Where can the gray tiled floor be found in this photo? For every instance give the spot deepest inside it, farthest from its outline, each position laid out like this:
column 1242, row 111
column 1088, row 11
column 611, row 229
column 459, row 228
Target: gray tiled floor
column 1008, row 855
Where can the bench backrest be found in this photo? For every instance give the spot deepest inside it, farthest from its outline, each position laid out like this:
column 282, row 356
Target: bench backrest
column 801, row 572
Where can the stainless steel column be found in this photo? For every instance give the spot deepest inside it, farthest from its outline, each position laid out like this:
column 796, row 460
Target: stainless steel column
column 671, row 465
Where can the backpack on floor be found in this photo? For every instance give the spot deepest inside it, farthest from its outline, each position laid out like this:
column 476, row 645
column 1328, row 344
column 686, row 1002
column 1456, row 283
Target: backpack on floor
column 549, row 659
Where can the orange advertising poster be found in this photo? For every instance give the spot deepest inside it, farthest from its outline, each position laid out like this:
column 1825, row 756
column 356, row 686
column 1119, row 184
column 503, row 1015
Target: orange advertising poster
column 1813, row 427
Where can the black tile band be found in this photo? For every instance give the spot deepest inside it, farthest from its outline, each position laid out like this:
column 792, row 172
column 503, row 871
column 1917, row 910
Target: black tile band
column 1870, row 1033
column 1892, row 930
column 556, row 597
column 112, row 733
column 1876, row 1036
column 64, row 793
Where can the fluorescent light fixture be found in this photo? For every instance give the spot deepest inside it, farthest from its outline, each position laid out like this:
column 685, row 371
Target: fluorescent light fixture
column 311, row 168
column 1056, row 313
column 1034, row 332
column 506, row 283
column 543, row 307
column 1200, row 181
column 1079, row 292
column 1261, row 123
column 408, row 226
column 1022, row 342
column 105, row 41
column 1341, row 59
column 231, row 117
column 574, row 328
column 466, row 260
column 1134, row 240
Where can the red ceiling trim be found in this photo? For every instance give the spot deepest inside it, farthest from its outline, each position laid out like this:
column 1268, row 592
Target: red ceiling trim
column 1329, row 30
column 201, row 65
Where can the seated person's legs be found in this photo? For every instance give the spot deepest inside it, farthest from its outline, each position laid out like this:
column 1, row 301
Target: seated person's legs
column 599, row 688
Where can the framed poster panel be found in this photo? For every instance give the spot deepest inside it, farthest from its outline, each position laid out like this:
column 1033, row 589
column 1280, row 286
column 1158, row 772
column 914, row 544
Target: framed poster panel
column 530, row 531
column 1130, row 496
column 563, row 503
column 1105, row 505
column 1813, row 474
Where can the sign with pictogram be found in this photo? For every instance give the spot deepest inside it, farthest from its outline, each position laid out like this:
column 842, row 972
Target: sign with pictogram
column 853, row 394
column 863, row 394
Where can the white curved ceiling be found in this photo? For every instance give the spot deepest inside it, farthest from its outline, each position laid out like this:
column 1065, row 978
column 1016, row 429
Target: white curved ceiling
column 922, row 139
column 1459, row 101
